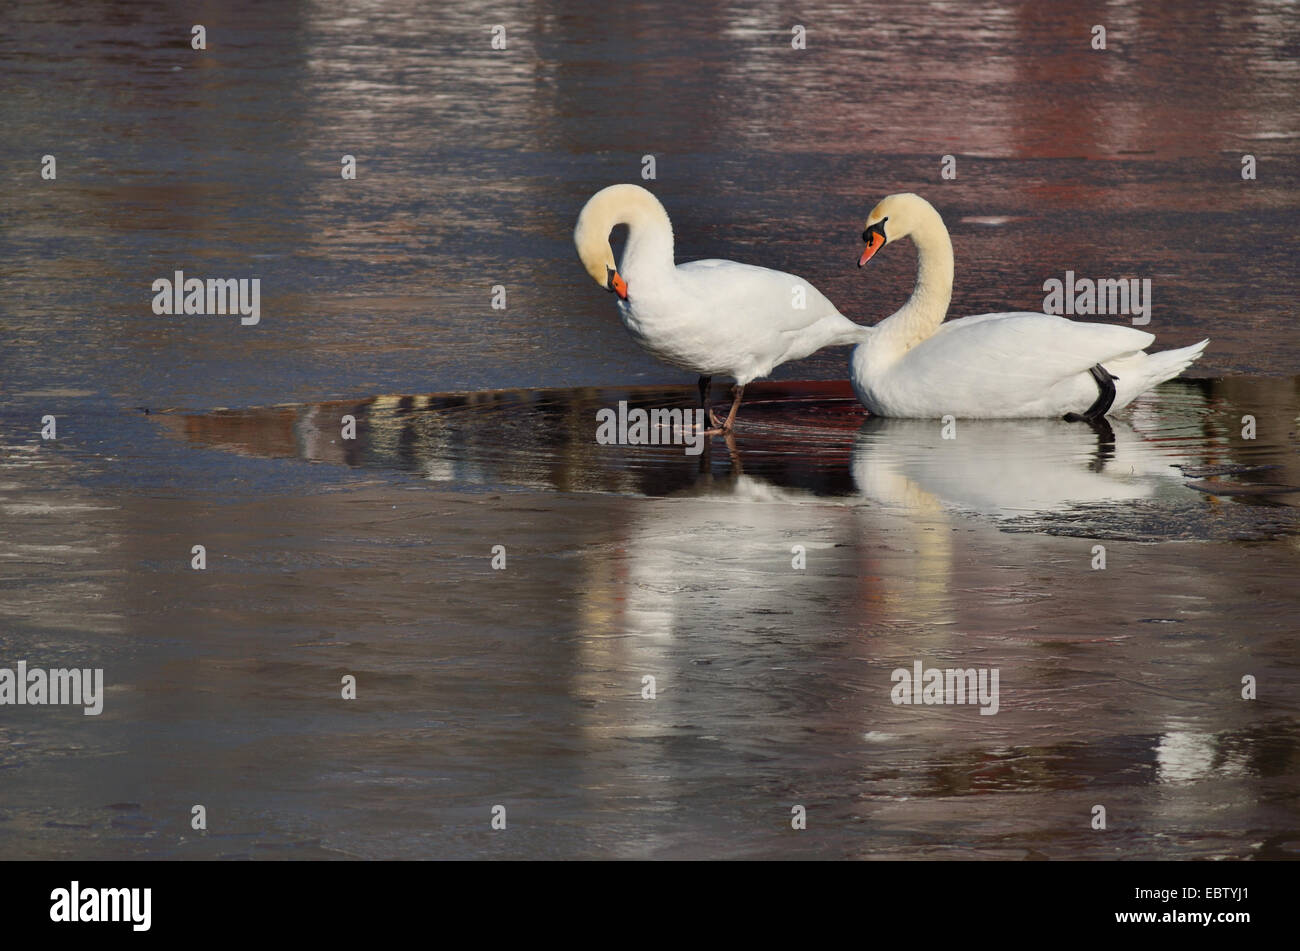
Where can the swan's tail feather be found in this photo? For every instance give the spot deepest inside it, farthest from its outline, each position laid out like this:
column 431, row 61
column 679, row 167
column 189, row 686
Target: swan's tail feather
column 1167, row 364
column 850, row 334
column 859, row 334
column 1141, row 371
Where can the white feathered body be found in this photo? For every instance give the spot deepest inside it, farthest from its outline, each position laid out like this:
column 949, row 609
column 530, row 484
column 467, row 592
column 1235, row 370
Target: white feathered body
column 722, row 318
column 1012, row 365
column 914, row 364
column 712, row 317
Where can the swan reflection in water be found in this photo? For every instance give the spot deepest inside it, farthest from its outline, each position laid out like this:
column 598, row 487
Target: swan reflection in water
column 1008, row 467
column 770, row 588
column 806, row 439
column 755, row 659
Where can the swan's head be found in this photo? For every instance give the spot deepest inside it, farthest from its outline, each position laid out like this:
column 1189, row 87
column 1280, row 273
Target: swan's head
column 617, row 204
column 897, row 216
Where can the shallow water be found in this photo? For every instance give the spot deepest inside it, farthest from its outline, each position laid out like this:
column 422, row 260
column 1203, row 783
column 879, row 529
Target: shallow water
column 522, row 686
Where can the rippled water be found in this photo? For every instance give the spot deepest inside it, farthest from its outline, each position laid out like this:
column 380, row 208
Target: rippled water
column 475, row 426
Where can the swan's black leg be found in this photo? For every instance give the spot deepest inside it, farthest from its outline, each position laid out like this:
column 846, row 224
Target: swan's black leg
column 1105, row 397
column 705, row 382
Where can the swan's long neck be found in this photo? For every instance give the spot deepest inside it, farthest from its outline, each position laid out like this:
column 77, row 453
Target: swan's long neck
column 648, row 254
column 925, row 309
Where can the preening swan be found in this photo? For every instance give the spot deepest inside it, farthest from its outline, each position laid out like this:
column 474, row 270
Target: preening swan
column 708, row 317
column 1013, row 365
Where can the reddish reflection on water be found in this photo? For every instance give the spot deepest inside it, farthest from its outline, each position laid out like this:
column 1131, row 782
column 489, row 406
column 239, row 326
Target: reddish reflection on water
column 523, row 685
column 473, row 164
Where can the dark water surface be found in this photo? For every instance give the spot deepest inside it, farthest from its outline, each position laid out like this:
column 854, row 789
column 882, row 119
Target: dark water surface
column 522, row 687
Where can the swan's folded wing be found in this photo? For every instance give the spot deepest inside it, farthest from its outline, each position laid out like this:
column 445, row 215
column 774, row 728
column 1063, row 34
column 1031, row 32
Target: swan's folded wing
column 756, row 292
column 1031, row 352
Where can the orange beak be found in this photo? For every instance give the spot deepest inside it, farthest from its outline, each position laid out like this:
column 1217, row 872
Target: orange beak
column 874, row 243
column 618, row 285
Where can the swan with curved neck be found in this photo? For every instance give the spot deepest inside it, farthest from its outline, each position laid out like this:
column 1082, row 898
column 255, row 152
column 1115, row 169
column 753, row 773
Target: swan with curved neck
column 708, row 317
column 1009, row 365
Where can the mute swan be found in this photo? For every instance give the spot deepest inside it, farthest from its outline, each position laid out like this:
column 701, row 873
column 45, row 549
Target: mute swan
column 1011, row 467
column 709, row 317
column 1013, row 365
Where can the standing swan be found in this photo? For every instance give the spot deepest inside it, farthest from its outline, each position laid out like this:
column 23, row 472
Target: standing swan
column 708, row 317
column 914, row 365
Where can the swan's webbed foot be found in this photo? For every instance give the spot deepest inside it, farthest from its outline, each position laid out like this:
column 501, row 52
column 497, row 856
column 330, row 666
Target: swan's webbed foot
column 727, row 426
column 1105, row 397
column 719, row 427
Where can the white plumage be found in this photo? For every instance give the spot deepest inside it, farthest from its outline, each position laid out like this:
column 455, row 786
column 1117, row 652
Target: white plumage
column 1012, row 365
column 712, row 317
